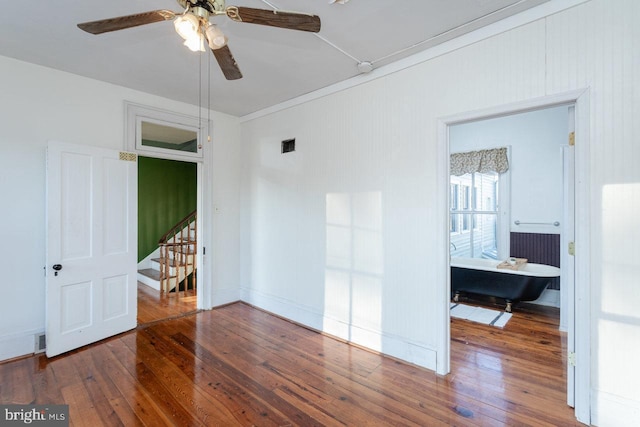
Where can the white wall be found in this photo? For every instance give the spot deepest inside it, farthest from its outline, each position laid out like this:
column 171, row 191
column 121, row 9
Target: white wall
column 535, row 169
column 372, row 149
column 40, row 104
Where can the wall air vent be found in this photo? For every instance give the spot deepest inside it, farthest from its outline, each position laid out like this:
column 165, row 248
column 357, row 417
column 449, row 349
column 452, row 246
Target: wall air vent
column 41, row 343
column 288, row 145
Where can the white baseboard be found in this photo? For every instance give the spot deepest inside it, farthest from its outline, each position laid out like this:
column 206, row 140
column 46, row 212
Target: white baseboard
column 224, row 296
column 612, row 410
column 18, row 344
column 378, row 341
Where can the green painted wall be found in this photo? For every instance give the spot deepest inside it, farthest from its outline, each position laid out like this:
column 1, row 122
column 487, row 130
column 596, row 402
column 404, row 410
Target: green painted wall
column 166, row 194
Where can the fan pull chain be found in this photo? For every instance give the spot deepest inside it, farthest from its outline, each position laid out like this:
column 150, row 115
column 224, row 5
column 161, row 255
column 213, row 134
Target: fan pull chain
column 200, row 97
column 209, row 99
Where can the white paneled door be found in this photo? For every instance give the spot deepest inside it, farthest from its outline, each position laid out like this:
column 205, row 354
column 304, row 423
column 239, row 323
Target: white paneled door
column 91, row 245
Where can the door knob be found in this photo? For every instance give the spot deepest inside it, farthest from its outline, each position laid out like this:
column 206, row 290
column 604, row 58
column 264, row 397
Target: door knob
column 57, row 267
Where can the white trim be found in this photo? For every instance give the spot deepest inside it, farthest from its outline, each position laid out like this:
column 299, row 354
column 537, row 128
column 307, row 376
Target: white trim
column 136, row 113
column 582, row 301
column 443, row 275
column 504, row 25
column 205, row 226
column 612, row 410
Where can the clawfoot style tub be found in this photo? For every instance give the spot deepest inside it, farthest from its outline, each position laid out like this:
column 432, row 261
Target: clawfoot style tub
column 482, row 277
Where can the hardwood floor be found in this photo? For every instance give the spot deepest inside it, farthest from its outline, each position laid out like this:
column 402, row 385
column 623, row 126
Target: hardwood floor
column 154, row 306
column 237, row 365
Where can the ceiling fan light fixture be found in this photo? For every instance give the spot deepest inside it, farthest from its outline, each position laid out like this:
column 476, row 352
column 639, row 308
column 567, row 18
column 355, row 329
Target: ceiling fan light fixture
column 195, row 43
column 216, row 37
column 187, row 26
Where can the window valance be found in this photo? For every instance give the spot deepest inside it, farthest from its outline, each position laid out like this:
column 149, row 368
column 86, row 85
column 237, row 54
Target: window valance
column 494, row 160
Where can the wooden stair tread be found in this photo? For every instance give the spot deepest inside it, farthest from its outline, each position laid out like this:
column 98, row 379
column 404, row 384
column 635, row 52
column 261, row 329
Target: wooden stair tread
column 153, row 274
column 150, row 273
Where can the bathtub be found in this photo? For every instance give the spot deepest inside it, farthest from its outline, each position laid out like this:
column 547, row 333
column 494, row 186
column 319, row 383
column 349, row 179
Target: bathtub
column 481, row 277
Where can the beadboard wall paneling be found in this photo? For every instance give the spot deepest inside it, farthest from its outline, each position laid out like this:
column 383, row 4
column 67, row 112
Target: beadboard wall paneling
column 598, row 46
column 538, row 248
column 380, row 138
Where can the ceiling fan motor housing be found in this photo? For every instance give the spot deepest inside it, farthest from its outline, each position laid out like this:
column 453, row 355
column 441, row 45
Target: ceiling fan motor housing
column 209, row 5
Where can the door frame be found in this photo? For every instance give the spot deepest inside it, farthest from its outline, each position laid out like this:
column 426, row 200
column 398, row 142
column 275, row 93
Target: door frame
column 133, row 114
column 580, row 324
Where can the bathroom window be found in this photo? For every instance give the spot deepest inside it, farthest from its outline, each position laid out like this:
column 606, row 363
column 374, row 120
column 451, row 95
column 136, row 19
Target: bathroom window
column 474, row 215
column 453, row 196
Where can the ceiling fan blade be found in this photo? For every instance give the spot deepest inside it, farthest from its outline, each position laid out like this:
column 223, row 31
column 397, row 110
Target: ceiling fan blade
column 122, row 22
column 274, row 18
column 227, row 63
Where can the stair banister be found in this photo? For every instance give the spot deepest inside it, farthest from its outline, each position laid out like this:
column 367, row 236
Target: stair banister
column 181, row 249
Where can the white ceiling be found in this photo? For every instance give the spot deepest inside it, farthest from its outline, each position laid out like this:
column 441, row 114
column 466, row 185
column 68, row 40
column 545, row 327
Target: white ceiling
column 277, row 64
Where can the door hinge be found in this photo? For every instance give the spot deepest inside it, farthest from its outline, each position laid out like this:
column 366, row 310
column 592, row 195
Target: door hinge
column 572, row 248
column 572, row 138
column 572, row 358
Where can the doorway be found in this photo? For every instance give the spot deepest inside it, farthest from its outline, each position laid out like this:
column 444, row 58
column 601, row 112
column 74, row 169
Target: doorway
column 578, row 299
column 510, row 205
column 167, row 206
column 177, row 139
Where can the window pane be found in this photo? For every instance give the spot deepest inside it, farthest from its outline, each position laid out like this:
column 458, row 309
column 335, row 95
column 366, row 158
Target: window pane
column 486, row 237
column 168, row 137
column 486, row 188
column 481, row 242
column 454, row 196
column 465, row 197
column 465, row 222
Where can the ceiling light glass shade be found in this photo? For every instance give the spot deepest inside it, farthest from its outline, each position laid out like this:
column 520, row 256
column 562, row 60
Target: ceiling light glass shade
column 187, row 25
column 215, row 37
column 195, row 43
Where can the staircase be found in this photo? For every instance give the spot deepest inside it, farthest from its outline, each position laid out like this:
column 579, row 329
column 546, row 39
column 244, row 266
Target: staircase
column 172, row 267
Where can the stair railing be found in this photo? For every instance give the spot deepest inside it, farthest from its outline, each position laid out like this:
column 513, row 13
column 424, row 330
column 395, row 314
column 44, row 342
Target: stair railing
column 178, row 250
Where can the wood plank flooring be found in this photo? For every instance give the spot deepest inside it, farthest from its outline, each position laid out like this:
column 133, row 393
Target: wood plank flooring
column 239, row 366
column 154, row 306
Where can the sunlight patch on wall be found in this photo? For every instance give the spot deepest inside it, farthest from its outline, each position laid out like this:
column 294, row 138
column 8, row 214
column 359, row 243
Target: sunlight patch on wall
column 354, row 266
column 621, row 256
column 617, row 317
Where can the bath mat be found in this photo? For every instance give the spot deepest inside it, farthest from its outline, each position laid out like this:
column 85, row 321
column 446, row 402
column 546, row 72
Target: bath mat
column 480, row 314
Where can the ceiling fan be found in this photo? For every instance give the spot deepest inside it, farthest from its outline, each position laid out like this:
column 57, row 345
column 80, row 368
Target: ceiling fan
column 194, row 27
